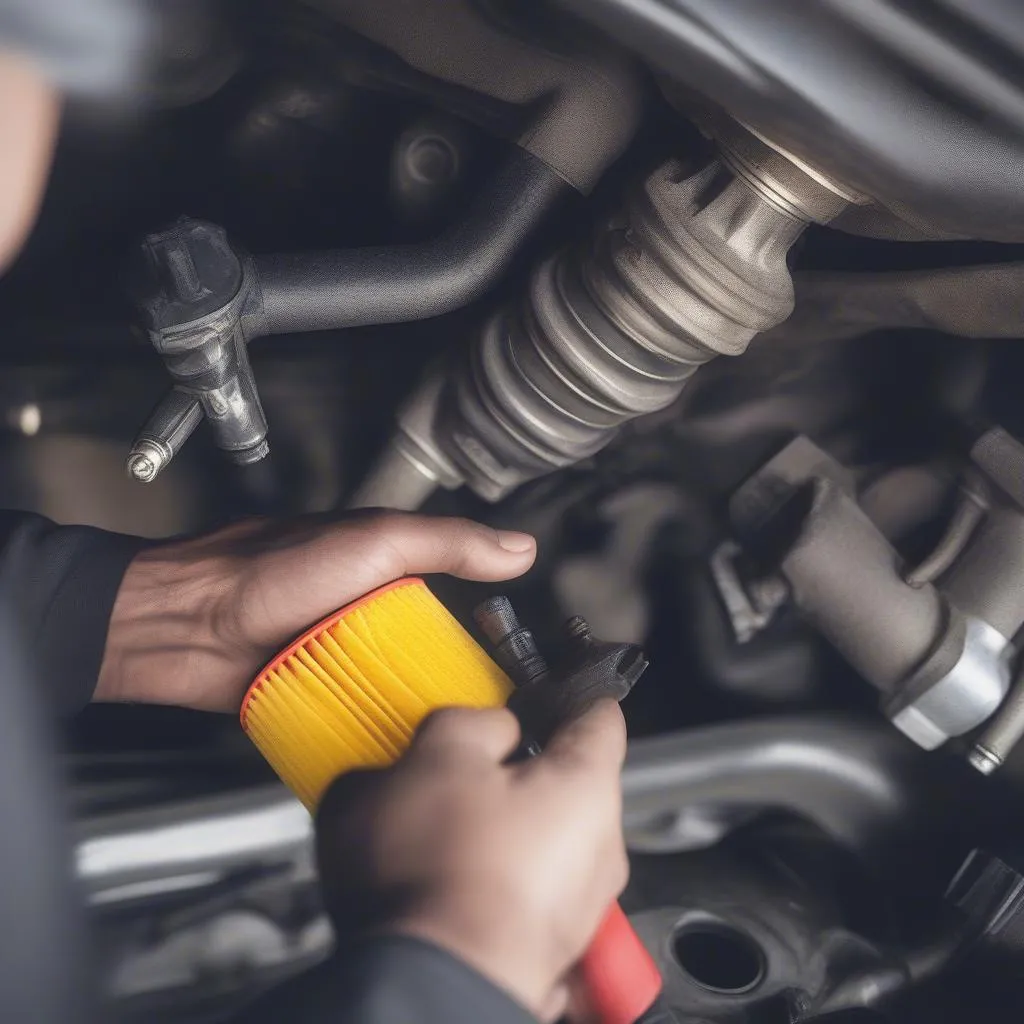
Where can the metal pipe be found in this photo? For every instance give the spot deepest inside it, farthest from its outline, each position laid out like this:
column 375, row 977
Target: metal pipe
column 191, row 845
column 1002, row 734
column 161, row 437
column 860, row 782
column 398, row 481
column 941, row 665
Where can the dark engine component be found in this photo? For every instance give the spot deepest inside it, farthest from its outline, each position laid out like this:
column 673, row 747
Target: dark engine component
column 205, row 302
column 939, row 652
column 742, row 936
column 914, row 104
column 199, row 292
column 564, row 96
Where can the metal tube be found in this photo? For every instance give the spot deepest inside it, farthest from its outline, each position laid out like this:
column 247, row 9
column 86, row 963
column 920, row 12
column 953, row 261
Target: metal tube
column 191, row 845
column 1003, row 733
column 860, row 782
column 397, row 481
column 167, row 429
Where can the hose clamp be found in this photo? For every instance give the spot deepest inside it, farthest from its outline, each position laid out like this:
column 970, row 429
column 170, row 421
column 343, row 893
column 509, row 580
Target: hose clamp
column 968, row 694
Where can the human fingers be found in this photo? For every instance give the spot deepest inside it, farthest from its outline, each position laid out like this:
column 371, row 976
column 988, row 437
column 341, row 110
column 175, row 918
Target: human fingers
column 393, row 544
column 487, row 734
column 593, row 743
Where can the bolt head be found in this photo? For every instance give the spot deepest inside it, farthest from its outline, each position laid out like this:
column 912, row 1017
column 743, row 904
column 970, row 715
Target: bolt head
column 142, row 468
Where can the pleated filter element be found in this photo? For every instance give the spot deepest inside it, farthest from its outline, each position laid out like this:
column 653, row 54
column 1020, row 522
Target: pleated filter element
column 352, row 690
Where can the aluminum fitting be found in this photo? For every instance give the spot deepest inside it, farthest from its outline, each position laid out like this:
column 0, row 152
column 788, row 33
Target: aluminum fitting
column 969, row 693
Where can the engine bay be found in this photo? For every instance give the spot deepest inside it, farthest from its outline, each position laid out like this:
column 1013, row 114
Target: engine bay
column 721, row 302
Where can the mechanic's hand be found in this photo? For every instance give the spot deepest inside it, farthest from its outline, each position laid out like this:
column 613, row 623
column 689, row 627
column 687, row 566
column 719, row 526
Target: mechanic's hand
column 195, row 620
column 511, row 868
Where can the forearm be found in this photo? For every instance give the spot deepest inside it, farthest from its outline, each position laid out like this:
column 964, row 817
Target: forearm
column 387, row 980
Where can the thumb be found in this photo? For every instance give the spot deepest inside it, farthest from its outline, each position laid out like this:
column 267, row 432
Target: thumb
column 393, row 544
column 488, row 735
column 594, row 742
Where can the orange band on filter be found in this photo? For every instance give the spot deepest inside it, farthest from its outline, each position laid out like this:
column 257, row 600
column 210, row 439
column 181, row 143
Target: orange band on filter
column 322, row 626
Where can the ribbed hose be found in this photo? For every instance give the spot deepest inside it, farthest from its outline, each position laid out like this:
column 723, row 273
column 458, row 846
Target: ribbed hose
column 693, row 267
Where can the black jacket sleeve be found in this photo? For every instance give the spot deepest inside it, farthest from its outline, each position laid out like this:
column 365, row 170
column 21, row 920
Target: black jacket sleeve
column 388, row 980
column 62, row 581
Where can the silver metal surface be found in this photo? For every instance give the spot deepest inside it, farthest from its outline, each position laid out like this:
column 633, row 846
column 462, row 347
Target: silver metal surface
column 144, row 462
column 693, row 267
column 965, row 696
column 412, row 466
column 840, row 189
column 193, row 846
column 709, row 777
column 1003, row 733
column 169, row 426
column 983, row 760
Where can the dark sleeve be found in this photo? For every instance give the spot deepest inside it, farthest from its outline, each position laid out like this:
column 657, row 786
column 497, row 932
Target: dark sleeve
column 62, row 581
column 388, row 980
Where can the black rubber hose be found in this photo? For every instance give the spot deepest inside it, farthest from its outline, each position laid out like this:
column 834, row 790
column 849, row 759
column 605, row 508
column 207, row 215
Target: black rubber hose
column 861, row 782
column 316, row 291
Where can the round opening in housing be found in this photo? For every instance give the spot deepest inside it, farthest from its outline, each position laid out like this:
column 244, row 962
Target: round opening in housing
column 719, row 958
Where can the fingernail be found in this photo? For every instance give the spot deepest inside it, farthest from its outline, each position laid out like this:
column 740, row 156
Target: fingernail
column 517, row 543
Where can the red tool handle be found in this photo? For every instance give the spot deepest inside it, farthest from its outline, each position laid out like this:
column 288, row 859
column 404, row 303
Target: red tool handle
column 618, row 976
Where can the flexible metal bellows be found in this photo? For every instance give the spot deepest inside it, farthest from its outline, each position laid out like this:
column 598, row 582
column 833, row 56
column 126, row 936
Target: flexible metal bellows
column 693, row 267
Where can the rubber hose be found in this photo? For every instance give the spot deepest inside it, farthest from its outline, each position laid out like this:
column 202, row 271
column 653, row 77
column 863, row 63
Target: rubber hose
column 845, row 578
column 317, row 291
